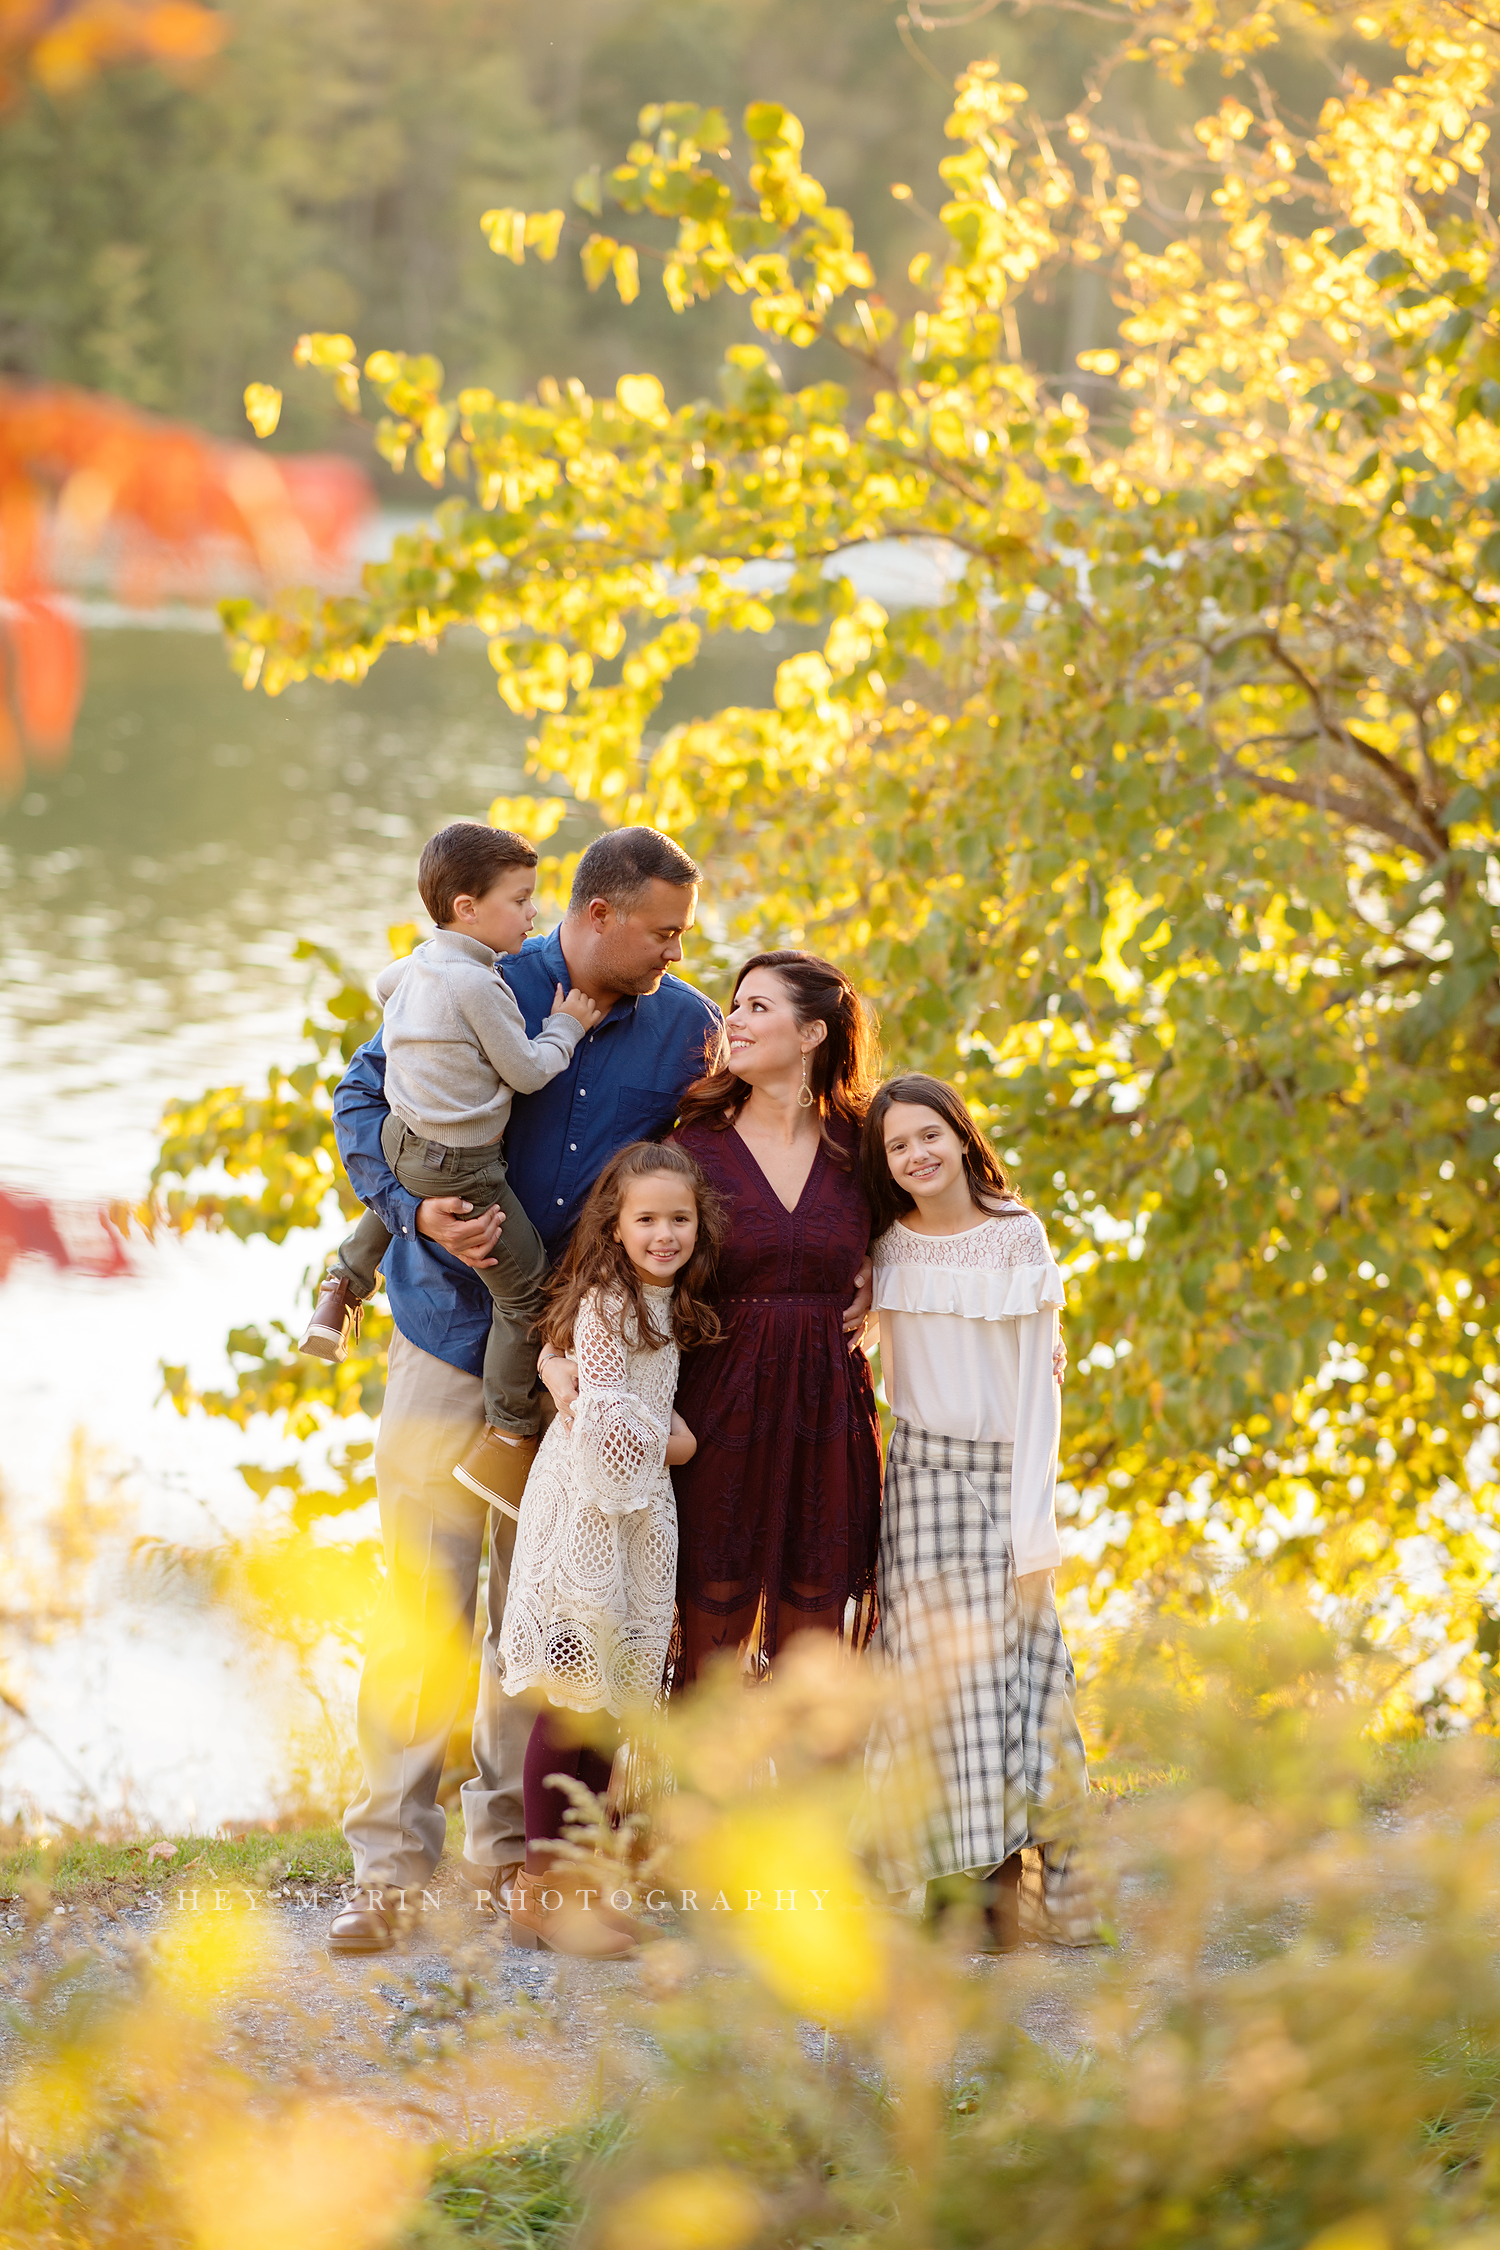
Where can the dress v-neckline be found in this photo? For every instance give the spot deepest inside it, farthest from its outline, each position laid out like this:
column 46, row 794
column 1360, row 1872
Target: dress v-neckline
column 791, row 1209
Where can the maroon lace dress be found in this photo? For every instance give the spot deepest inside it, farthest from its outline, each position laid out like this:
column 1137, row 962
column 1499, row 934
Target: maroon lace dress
column 779, row 1509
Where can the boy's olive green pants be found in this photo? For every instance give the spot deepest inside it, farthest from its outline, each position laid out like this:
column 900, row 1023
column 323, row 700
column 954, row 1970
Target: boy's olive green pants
column 514, row 1281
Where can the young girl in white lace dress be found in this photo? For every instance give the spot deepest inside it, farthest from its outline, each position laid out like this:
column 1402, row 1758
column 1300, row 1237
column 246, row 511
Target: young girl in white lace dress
column 967, row 1292
column 588, row 1611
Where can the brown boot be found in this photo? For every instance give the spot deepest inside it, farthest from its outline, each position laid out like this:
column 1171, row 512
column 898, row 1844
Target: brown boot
column 361, row 1929
column 497, row 1465
column 1002, row 1908
column 552, row 1909
column 338, row 1315
column 621, row 1919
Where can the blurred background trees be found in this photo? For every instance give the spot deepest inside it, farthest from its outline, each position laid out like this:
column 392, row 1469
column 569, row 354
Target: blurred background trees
column 1168, row 823
column 1163, row 815
column 167, row 242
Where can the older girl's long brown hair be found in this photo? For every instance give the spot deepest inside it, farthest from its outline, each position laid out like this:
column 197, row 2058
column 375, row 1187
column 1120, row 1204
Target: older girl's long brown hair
column 842, row 1068
column 595, row 1260
column 989, row 1183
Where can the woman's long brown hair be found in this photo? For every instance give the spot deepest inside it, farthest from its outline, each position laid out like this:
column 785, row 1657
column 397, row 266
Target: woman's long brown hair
column 595, row 1260
column 989, row 1183
column 842, row 1068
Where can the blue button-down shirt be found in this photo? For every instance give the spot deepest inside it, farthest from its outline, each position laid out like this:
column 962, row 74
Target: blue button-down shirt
column 624, row 1083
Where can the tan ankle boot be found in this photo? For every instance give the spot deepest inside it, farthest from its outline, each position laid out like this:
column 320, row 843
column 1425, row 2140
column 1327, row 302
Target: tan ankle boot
column 621, row 1918
column 551, row 1908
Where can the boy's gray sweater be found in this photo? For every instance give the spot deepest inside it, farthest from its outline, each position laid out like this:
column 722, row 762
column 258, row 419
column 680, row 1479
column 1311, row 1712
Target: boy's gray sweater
column 455, row 1042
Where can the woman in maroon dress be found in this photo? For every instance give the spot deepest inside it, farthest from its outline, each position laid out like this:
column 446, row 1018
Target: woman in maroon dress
column 779, row 1510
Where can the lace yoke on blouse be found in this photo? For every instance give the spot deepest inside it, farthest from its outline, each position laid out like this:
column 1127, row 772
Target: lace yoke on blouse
column 625, row 1392
column 1002, row 1269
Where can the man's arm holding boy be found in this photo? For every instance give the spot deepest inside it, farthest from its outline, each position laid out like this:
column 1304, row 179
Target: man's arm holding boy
column 360, row 1110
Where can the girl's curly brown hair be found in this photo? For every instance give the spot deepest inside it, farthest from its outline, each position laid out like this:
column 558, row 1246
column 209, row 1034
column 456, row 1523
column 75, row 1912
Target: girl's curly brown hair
column 595, row 1260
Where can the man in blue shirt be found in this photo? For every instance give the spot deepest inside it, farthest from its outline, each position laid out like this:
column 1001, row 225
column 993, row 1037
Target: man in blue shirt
column 632, row 903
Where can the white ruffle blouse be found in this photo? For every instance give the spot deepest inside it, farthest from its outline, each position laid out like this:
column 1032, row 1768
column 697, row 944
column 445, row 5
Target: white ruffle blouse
column 968, row 1323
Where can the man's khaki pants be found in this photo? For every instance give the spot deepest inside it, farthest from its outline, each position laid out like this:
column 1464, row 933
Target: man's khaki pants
column 416, row 1669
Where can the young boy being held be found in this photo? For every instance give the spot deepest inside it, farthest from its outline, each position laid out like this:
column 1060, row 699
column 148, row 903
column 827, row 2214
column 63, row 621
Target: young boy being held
column 455, row 1051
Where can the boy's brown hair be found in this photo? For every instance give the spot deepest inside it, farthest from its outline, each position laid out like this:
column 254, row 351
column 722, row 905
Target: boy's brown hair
column 466, row 858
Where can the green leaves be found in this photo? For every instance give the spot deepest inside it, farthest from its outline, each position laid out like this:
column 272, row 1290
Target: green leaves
column 685, row 122
column 768, row 123
column 1447, row 339
column 1131, row 800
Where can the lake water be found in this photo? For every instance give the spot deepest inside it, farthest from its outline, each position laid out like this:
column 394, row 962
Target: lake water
column 152, row 890
column 154, row 887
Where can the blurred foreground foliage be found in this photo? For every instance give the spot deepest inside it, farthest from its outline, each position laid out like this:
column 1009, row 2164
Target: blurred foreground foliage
column 1164, row 819
column 1297, row 2041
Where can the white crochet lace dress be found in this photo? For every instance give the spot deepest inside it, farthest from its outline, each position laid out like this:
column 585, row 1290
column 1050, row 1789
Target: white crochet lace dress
column 588, row 1614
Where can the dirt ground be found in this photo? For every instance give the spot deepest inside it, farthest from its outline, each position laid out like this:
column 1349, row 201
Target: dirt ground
column 526, row 2038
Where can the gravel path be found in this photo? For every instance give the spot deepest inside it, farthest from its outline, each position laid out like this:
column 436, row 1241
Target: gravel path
column 527, row 2035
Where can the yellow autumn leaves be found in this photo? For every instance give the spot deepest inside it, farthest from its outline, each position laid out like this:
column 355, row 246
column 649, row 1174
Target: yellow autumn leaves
column 1202, row 628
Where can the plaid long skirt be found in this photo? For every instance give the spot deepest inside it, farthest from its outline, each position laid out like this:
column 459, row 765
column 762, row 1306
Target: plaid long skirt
column 977, row 1753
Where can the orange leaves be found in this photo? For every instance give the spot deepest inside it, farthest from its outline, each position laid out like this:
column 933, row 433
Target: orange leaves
column 170, row 499
column 49, row 666
column 60, row 47
column 110, row 464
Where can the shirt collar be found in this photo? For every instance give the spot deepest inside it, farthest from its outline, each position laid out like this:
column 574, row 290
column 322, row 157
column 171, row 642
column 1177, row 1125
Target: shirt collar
column 470, row 949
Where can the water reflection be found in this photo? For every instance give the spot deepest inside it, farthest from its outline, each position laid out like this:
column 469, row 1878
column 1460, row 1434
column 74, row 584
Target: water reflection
column 152, row 891
column 153, row 887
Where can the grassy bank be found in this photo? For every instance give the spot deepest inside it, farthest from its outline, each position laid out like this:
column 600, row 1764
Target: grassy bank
column 526, row 2195
column 79, row 1869
column 83, row 1870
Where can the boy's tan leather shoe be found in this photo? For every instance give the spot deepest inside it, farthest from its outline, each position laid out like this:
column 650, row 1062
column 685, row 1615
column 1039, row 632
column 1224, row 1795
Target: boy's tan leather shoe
column 497, row 1465
column 337, row 1315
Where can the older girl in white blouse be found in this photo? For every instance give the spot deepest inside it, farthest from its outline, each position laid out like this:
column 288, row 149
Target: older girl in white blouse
column 968, row 1293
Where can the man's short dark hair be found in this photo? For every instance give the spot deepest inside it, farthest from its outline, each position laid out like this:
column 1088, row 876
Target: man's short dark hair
column 622, row 866
column 466, row 857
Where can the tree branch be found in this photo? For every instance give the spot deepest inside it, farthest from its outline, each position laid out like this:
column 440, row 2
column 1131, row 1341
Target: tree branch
column 1355, row 810
column 1396, row 776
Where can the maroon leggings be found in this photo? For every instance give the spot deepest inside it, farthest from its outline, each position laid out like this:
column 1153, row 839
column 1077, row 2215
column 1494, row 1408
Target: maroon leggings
column 550, row 1751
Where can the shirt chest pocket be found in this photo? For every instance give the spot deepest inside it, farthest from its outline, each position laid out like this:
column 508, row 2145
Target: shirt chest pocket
column 641, row 1112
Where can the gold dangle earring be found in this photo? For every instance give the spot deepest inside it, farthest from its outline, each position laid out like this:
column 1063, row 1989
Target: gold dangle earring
column 806, row 1097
